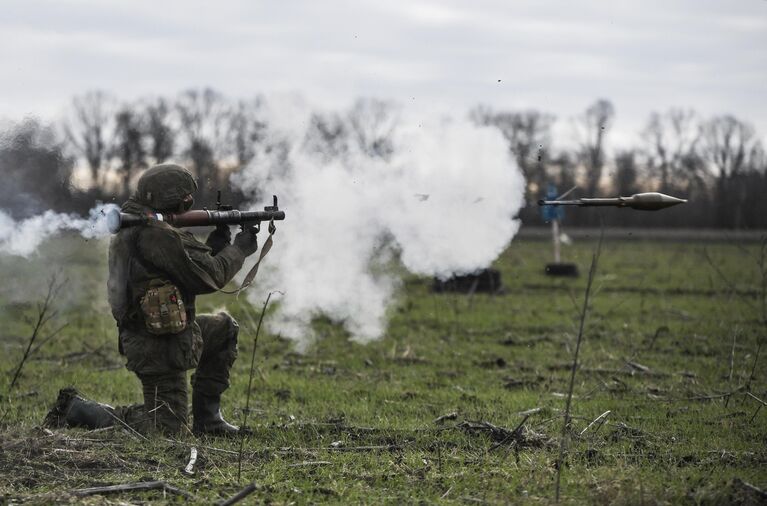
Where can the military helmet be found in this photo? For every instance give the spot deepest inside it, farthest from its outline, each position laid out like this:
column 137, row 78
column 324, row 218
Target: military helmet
column 164, row 187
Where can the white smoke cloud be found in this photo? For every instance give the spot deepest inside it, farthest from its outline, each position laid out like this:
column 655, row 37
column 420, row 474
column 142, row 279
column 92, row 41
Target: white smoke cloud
column 434, row 195
column 443, row 202
column 22, row 238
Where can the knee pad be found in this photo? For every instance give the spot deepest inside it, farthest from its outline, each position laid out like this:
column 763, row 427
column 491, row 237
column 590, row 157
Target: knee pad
column 230, row 324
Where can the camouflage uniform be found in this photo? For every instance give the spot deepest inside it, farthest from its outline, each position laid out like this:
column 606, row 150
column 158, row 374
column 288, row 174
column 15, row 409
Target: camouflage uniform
column 139, row 255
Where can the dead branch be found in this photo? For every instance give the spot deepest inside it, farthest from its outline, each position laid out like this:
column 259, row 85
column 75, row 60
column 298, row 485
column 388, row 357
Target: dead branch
column 448, row 416
column 49, row 337
column 496, row 433
column 632, row 371
column 658, row 332
column 637, row 366
column 597, row 419
column 239, row 496
column 758, row 492
column 311, row 463
column 520, row 436
column 44, row 315
column 243, row 432
column 706, row 397
column 532, row 411
column 732, row 356
column 756, row 398
column 761, row 403
column 132, row 487
column 584, row 312
column 360, row 448
column 753, row 368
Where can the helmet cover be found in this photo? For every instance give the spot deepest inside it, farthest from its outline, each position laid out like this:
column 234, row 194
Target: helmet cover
column 165, row 186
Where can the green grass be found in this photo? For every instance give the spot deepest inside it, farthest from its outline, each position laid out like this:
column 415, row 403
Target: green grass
column 486, row 358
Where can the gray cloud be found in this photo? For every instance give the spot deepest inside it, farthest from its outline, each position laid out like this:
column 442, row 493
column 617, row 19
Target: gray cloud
column 554, row 55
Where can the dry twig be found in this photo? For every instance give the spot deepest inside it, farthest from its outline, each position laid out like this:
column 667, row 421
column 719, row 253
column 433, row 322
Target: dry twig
column 130, row 487
column 44, row 315
column 584, row 312
column 250, row 385
column 311, row 463
column 602, row 417
column 239, row 496
column 448, row 416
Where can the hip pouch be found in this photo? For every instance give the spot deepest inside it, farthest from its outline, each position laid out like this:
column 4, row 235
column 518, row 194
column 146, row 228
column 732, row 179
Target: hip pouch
column 163, row 309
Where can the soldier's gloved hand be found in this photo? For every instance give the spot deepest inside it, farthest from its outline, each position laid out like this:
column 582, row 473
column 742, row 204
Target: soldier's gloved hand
column 220, row 238
column 247, row 241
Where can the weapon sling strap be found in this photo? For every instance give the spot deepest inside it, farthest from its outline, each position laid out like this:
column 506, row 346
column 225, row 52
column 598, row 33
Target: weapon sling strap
column 253, row 270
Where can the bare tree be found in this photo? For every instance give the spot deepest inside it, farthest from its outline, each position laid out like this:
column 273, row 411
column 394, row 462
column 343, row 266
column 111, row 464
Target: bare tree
column 731, row 149
column 128, row 147
column 89, row 129
column 626, row 173
column 595, row 125
column 730, row 145
column 529, row 136
column 327, row 136
column 564, row 167
column 203, row 115
column 672, row 142
column 159, row 130
column 246, row 130
column 372, row 123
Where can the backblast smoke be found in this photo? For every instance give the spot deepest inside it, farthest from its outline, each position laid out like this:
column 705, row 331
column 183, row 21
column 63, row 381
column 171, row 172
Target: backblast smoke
column 367, row 193
column 22, row 238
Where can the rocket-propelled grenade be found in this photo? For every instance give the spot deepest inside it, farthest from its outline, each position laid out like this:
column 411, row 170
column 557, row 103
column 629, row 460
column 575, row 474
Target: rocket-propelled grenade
column 116, row 220
column 651, row 201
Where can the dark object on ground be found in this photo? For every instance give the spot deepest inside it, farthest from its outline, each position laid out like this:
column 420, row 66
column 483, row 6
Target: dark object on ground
column 483, row 281
column 73, row 410
column 521, row 436
column 562, row 269
column 740, row 492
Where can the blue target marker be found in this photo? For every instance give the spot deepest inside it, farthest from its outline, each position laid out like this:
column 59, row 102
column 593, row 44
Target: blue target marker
column 551, row 213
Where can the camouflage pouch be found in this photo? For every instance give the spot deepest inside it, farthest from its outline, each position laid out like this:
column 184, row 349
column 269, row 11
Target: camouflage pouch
column 163, row 308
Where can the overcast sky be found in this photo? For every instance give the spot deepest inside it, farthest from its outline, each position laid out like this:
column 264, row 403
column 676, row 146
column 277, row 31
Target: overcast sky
column 557, row 56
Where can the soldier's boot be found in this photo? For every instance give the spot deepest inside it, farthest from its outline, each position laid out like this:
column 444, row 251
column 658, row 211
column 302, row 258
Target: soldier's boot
column 73, row 410
column 206, row 410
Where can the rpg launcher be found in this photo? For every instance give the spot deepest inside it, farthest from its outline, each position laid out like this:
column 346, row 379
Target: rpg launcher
column 650, row 201
column 223, row 215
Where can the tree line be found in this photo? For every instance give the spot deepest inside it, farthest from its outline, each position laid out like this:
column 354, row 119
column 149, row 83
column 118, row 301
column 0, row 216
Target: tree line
column 718, row 163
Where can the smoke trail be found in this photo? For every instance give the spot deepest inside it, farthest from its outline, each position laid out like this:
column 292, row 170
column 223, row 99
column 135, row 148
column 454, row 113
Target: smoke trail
column 440, row 196
column 22, row 238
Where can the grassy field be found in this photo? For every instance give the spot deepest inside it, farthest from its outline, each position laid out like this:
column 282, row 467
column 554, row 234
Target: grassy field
column 461, row 402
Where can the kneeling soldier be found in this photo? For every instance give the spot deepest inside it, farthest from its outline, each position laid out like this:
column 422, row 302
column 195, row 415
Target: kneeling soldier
column 155, row 273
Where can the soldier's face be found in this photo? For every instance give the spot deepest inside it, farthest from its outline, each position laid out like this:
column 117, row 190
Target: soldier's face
column 187, row 203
